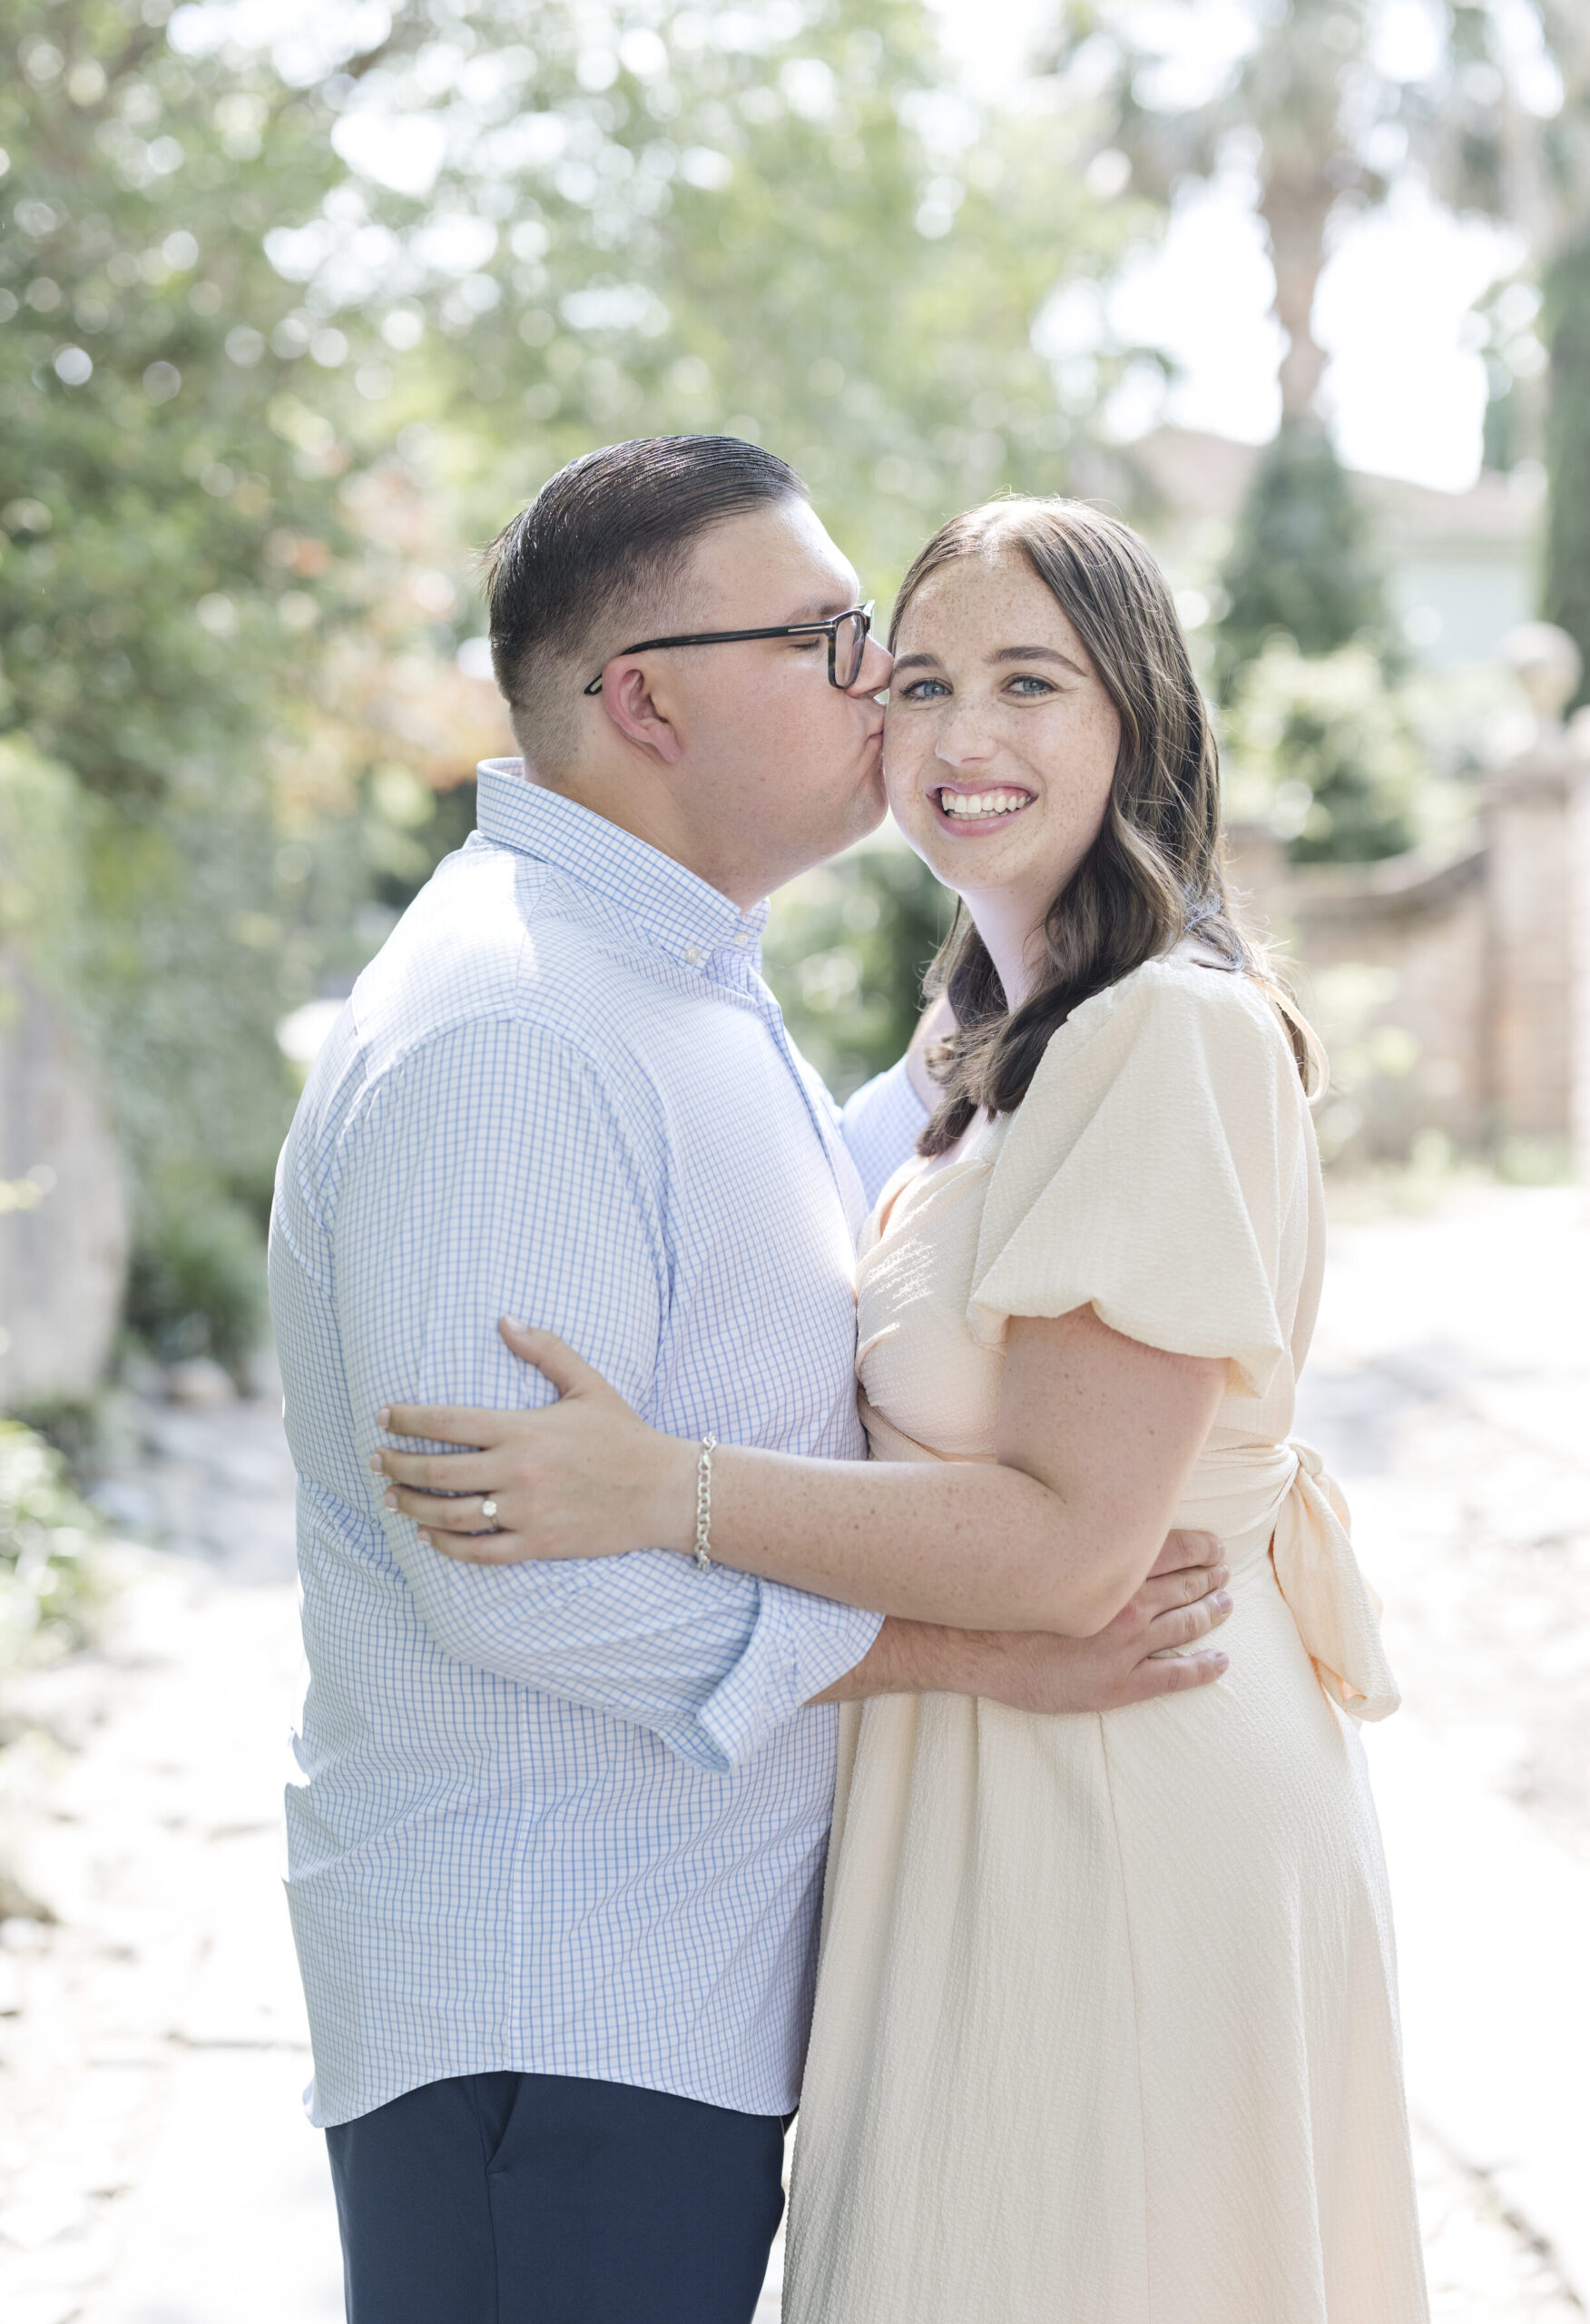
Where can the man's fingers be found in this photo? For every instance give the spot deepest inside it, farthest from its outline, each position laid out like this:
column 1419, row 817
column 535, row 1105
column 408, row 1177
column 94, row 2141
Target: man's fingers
column 1187, row 1585
column 1183, row 1550
column 1180, row 1625
column 1176, row 1674
column 1196, row 1581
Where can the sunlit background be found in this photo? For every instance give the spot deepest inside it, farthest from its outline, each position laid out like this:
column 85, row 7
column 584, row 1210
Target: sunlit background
column 298, row 302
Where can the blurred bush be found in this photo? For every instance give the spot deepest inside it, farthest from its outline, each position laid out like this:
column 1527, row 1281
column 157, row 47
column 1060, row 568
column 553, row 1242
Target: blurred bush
column 846, row 949
column 170, row 524
column 197, row 1281
column 50, row 1583
column 1566, row 597
column 1322, row 750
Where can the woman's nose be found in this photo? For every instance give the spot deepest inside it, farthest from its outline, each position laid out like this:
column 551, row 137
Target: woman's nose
column 963, row 740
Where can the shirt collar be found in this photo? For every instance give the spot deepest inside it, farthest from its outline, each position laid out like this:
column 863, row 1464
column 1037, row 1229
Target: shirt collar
column 687, row 918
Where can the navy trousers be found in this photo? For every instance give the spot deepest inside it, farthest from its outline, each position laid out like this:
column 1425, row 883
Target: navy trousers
column 537, row 2199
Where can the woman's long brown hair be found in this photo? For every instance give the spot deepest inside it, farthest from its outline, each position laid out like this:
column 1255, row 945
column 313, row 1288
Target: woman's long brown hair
column 1155, row 872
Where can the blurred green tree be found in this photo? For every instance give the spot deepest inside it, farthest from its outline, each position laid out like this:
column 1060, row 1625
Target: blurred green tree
column 1492, row 108
column 846, row 951
column 1565, row 595
column 1290, row 95
column 786, row 223
column 53, row 1568
column 161, row 493
column 170, row 538
column 286, row 330
column 1320, row 748
column 1302, row 563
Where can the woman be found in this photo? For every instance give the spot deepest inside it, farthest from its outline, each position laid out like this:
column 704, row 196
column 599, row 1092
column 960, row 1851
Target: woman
column 1106, row 2029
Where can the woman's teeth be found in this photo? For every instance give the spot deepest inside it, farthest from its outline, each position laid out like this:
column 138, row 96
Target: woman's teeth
column 983, row 802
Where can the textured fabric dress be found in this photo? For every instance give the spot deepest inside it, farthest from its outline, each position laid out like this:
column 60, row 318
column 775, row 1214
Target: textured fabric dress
column 1106, row 2021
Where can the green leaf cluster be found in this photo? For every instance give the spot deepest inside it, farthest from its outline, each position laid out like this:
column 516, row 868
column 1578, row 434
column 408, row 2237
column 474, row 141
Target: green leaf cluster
column 166, row 508
column 1566, row 598
column 50, row 1582
column 846, row 949
column 1302, row 564
column 782, row 223
column 1322, row 748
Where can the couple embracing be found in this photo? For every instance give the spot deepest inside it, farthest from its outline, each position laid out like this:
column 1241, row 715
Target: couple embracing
column 642, row 1644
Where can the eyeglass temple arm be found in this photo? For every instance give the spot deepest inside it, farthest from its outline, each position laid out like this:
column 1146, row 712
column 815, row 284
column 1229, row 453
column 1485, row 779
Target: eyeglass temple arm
column 828, row 629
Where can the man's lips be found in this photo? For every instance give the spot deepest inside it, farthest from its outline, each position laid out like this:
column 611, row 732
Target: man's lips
column 971, row 810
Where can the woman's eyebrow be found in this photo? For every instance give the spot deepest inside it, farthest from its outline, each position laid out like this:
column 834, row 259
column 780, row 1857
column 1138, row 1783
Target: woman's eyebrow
column 913, row 661
column 1036, row 654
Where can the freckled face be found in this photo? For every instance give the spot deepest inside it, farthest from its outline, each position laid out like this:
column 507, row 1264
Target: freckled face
column 1000, row 740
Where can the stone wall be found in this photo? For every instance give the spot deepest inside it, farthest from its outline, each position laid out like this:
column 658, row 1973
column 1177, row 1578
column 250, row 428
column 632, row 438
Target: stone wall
column 1443, row 989
column 1530, row 856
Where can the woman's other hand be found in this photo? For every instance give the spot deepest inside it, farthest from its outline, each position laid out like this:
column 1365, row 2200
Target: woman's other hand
column 581, row 1478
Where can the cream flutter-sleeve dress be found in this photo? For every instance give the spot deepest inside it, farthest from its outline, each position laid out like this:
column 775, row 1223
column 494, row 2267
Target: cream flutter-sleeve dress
column 1106, row 2020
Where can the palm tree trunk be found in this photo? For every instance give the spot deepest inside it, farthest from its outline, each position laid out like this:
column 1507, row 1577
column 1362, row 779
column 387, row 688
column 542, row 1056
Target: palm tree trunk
column 1295, row 202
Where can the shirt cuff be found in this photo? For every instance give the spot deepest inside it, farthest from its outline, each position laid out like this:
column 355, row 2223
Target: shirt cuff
column 799, row 1645
column 880, row 1125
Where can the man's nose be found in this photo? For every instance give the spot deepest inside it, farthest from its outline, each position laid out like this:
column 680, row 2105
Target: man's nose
column 877, row 661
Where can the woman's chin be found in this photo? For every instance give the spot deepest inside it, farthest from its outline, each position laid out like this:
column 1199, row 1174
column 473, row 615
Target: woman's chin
column 963, row 861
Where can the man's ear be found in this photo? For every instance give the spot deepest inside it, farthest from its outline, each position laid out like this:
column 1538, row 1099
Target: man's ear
column 634, row 706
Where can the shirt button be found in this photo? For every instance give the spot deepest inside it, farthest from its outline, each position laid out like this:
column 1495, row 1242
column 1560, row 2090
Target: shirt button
column 742, row 936
column 693, row 953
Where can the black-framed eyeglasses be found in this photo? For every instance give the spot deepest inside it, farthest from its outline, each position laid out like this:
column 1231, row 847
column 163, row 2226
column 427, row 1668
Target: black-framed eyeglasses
column 847, row 635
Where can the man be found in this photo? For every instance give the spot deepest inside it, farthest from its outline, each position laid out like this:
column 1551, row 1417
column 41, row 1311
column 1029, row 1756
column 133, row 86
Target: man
column 557, row 1854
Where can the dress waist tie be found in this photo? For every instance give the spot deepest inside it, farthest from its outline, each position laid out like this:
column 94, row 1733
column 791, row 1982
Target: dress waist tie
column 1337, row 1613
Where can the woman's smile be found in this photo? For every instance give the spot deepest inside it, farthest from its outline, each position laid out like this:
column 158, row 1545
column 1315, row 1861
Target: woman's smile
column 971, row 811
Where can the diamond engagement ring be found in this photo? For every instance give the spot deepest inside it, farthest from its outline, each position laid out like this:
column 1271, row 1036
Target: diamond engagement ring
column 489, row 1509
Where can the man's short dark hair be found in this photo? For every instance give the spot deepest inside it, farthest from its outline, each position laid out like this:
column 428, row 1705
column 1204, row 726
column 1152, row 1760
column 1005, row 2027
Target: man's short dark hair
column 604, row 540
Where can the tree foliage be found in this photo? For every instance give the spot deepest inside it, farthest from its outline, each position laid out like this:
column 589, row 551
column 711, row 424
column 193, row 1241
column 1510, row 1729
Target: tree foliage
column 167, row 509
column 781, row 224
column 285, row 333
column 1323, row 749
column 1302, row 565
column 846, row 951
column 1566, row 593
column 1288, row 92
column 51, row 1559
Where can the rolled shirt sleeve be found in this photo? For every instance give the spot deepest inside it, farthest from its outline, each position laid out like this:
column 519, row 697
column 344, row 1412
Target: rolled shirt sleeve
column 494, row 1173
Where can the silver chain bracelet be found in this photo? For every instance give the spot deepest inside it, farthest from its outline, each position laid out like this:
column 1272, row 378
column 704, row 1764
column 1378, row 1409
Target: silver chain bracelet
column 699, row 1555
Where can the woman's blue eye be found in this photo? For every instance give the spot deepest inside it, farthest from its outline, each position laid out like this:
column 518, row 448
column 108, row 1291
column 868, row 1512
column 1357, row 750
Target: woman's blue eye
column 922, row 689
column 1040, row 686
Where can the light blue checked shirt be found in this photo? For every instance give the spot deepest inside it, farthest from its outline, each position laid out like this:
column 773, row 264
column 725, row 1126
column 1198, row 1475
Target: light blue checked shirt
column 566, row 1818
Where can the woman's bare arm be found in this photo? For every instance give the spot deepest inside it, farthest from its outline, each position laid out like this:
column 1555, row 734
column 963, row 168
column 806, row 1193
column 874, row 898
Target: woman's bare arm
column 1097, row 1435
